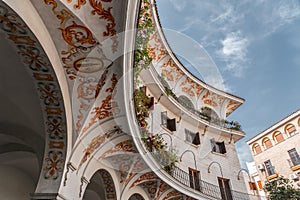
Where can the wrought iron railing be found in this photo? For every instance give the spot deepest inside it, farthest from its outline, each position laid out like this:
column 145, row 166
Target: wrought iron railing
column 208, row 188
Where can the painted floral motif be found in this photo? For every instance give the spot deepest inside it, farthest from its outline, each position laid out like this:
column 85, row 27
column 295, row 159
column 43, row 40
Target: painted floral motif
column 150, row 187
column 49, row 94
column 33, row 58
column 97, row 142
column 10, row 22
column 138, row 166
column 78, row 36
column 105, row 14
column 212, row 99
column 155, row 47
column 21, row 39
column 54, row 164
column 161, row 188
column 172, row 194
column 231, row 106
column 110, row 190
column 145, row 177
column 55, row 127
column 36, row 61
column 123, row 163
column 171, row 71
column 108, row 106
column 122, row 147
column 191, row 88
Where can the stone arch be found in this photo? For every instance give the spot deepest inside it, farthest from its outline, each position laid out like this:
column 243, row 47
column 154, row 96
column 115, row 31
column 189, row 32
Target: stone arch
column 136, row 196
column 290, row 129
column 256, row 148
column 39, row 128
column 277, row 136
column 266, row 143
column 101, row 187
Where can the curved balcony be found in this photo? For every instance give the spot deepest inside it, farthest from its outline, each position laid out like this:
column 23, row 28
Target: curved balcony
column 160, row 158
column 172, row 102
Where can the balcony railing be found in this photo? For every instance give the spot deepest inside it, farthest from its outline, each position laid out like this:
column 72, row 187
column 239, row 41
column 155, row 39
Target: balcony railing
column 210, row 189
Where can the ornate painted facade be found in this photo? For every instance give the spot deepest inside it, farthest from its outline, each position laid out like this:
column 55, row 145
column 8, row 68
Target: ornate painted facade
column 95, row 105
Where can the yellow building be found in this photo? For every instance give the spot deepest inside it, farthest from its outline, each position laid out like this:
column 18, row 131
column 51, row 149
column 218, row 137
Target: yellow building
column 276, row 150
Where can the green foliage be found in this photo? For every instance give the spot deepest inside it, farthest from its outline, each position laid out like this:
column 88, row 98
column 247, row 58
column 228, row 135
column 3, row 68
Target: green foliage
column 154, row 143
column 142, row 102
column 282, row 188
column 142, row 60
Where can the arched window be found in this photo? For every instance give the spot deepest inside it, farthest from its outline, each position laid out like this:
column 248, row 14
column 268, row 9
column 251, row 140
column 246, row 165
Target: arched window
column 256, row 149
column 267, row 143
column 278, row 137
column 290, row 130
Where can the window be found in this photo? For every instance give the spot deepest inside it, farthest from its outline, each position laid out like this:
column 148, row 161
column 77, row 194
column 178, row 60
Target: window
column 218, row 147
column 194, row 176
column 278, row 137
column 192, row 137
column 291, row 130
column 295, row 159
column 225, row 188
column 267, row 143
column 269, row 168
column 168, row 123
column 252, row 186
column 260, row 185
column 256, row 149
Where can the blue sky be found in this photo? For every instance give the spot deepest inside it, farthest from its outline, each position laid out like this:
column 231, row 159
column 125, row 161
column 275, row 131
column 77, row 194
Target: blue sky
column 255, row 44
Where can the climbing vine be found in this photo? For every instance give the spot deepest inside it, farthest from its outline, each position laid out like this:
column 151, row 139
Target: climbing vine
column 154, row 143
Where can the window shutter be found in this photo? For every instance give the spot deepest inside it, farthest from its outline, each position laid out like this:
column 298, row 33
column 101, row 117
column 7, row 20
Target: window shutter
column 259, row 185
column 213, row 144
column 171, row 124
column 222, row 147
column 164, row 118
column 250, row 185
column 291, row 129
column 150, row 105
column 279, row 137
column 196, row 139
column 257, row 149
column 191, row 178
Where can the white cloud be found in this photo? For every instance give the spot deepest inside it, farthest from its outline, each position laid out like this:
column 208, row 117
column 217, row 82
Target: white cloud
column 244, row 154
column 178, row 5
column 282, row 13
column 234, row 52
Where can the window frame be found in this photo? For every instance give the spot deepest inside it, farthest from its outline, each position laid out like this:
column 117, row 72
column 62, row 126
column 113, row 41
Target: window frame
column 191, row 137
column 294, row 156
column 254, row 149
column 167, row 122
column 293, row 132
column 270, row 170
column 218, row 147
column 275, row 137
column 265, row 140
